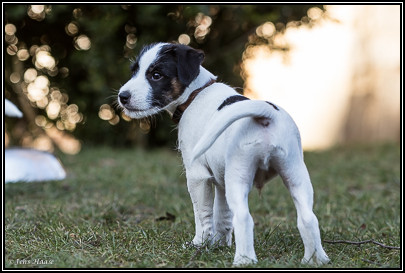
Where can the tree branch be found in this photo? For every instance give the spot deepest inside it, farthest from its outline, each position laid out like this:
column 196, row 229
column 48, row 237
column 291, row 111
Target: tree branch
column 360, row 243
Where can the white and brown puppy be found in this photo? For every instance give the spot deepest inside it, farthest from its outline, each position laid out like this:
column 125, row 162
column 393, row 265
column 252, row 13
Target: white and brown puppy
column 228, row 143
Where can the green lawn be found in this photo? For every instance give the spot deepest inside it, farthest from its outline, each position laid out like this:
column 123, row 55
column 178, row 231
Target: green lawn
column 104, row 215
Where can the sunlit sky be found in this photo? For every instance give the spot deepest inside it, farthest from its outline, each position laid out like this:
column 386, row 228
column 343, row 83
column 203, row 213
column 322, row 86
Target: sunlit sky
column 317, row 79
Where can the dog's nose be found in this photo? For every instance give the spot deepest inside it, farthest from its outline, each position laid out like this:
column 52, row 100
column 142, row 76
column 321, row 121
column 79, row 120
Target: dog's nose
column 124, row 97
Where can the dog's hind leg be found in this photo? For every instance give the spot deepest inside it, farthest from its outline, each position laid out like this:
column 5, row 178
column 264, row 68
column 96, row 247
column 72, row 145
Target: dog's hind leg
column 201, row 194
column 238, row 182
column 298, row 182
column 222, row 218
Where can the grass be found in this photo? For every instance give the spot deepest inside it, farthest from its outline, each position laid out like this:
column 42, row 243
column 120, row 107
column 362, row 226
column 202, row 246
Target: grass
column 111, row 212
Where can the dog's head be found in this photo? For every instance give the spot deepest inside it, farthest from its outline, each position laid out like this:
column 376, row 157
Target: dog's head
column 160, row 75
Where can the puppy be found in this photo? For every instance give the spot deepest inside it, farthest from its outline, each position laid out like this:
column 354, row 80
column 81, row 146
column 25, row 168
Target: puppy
column 228, row 143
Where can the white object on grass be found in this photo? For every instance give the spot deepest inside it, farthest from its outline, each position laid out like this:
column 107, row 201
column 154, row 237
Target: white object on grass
column 11, row 110
column 28, row 165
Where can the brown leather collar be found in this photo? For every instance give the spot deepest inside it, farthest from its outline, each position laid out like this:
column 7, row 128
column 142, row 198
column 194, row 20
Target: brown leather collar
column 181, row 108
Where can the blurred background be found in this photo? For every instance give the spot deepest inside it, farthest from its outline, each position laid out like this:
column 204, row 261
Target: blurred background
column 335, row 69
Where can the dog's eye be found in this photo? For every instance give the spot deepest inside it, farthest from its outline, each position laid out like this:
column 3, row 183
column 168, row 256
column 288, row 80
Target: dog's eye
column 156, row 76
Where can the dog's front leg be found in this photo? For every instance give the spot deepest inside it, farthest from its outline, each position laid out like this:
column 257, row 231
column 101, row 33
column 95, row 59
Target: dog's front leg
column 201, row 194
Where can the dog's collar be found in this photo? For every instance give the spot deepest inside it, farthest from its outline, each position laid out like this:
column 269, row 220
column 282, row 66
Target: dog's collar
column 181, row 108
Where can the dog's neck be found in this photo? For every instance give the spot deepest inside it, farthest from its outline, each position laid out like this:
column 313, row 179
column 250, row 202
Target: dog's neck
column 182, row 107
column 203, row 80
column 203, row 77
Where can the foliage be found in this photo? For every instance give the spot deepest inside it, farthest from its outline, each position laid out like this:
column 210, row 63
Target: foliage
column 91, row 76
column 112, row 209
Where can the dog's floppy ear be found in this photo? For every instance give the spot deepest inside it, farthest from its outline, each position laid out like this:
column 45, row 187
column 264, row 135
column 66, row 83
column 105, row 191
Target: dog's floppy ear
column 188, row 63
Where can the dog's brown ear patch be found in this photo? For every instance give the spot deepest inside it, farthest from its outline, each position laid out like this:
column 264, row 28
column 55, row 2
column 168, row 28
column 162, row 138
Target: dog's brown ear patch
column 177, row 88
column 188, row 63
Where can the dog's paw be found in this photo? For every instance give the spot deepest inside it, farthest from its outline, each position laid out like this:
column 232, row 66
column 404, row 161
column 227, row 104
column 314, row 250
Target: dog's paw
column 221, row 240
column 243, row 260
column 319, row 258
column 197, row 244
column 191, row 245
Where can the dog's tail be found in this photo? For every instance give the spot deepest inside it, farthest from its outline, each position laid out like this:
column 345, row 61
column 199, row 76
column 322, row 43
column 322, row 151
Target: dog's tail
column 228, row 115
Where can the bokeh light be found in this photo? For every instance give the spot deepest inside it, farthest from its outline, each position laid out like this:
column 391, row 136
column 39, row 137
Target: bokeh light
column 203, row 23
column 131, row 41
column 184, row 39
column 10, row 29
column 23, row 54
column 82, row 42
column 37, row 8
column 44, row 59
column 15, row 77
column 315, row 13
column 107, row 113
column 72, row 29
column 144, row 125
column 30, row 75
column 38, row 12
column 266, row 30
